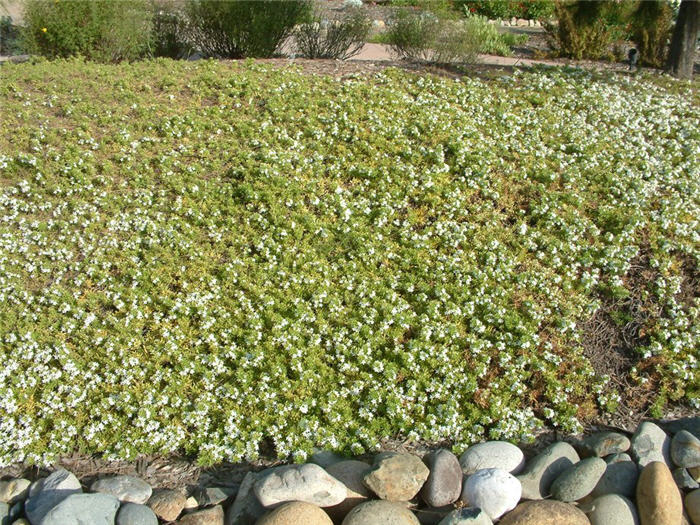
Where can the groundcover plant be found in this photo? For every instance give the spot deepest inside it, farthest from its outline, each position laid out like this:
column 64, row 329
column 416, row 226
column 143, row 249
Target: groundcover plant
column 211, row 258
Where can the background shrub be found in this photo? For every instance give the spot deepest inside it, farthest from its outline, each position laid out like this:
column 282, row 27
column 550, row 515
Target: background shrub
column 237, row 29
column 337, row 39
column 505, row 9
column 100, row 31
column 651, row 26
column 488, row 37
column 9, row 37
column 425, row 36
column 169, row 33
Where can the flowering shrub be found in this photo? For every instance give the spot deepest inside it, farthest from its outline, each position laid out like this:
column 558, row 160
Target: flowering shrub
column 337, row 39
column 203, row 256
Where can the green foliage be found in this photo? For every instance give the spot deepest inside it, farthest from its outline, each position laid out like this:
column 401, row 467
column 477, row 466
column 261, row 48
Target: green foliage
column 207, row 256
column 652, row 22
column 105, row 31
column 507, row 9
column 425, row 36
column 169, row 38
column 338, row 39
column 588, row 28
column 9, row 37
column 490, row 39
column 243, row 28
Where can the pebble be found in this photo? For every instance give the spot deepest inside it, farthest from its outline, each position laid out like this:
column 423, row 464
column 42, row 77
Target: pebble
column 492, row 454
column 444, row 483
column 136, row 514
column 617, row 458
column 683, row 479
column 603, row 444
column 325, row 458
column 685, row 449
column 14, row 490
column 350, row 473
column 208, row 496
column 691, row 424
column 127, row 489
column 544, row 468
column 620, row 477
column 308, row 483
column 613, row 509
column 692, row 506
column 694, row 473
column 191, row 503
column 21, row 521
column 4, row 513
column 650, row 443
column 579, row 480
column 493, row 490
column 467, row 516
column 296, row 513
column 396, row 477
column 545, row 512
column 379, row 512
column 167, row 504
column 246, row 509
column 82, row 509
column 49, row 492
column 658, row 499
column 210, row 516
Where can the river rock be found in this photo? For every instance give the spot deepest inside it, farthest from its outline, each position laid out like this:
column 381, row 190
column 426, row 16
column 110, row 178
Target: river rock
column 467, row 516
column 307, row 482
column 683, row 479
column 49, row 492
column 296, row 513
column 685, row 450
column 14, row 490
column 128, row 489
column 167, row 504
column 544, row 468
column 444, row 483
column 694, row 473
column 211, row 516
column 613, row 509
column 691, row 424
column 603, row 444
column 136, row 514
column 4, row 513
column 492, row 454
column 82, row 509
column 579, row 480
column 246, row 509
column 620, row 477
column 325, row 458
column 351, row 474
column 545, row 512
column 493, row 490
column 617, row 458
column 208, row 496
column 650, row 443
column 692, row 506
column 658, row 499
column 396, row 477
column 379, row 512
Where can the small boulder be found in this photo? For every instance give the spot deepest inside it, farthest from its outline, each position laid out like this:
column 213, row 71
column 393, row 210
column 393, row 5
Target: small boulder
column 208, row 496
column 14, row 490
column 467, row 516
column 650, row 443
column 211, row 516
column 308, row 483
column 81, row 509
column 49, row 492
column 541, row 471
column 397, row 477
column 612, row 509
column 692, row 506
column 658, row 499
column 325, row 458
column 296, row 513
column 380, row 512
column 545, row 512
column 603, row 444
column 492, row 454
column 683, row 479
column 136, row 514
column 685, row 450
column 444, row 483
column 620, row 477
column 128, row 489
column 167, row 504
column 493, row 490
column 579, row 480
column 350, row 473
column 246, row 509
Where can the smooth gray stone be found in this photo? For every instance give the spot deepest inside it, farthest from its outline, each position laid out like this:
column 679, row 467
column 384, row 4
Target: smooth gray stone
column 650, row 443
column 612, row 509
column 492, row 454
column 16, row 510
column 618, row 478
column 83, row 509
column 14, row 490
column 683, row 479
column 541, row 471
column 603, row 444
column 246, row 509
column 685, row 450
column 380, row 512
column 444, row 483
column 308, row 483
column 128, row 489
column 467, row 516
column 325, row 458
column 135, row 514
column 5, row 518
column 579, row 480
column 617, row 458
column 209, row 496
column 691, row 424
column 432, row 515
column 49, row 492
